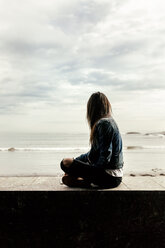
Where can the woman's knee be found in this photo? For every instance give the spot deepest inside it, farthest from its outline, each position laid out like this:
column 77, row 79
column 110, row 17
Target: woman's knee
column 67, row 161
column 65, row 164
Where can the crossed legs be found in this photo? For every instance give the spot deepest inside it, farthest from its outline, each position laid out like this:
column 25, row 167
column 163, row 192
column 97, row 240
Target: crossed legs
column 81, row 174
column 69, row 179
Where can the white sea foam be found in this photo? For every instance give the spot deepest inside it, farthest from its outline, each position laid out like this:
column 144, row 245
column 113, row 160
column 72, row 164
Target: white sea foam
column 44, row 149
column 159, row 135
column 152, row 135
column 71, row 149
column 144, row 147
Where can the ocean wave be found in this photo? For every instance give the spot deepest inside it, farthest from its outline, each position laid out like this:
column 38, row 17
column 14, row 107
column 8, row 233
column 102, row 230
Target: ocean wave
column 71, row 149
column 12, row 149
column 128, row 133
column 159, row 135
column 144, row 147
column 151, row 134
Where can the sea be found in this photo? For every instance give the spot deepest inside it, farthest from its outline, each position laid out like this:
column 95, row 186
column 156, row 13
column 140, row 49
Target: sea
column 40, row 154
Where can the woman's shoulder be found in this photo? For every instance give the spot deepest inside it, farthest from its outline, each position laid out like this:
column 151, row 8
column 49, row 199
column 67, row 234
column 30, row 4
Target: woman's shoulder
column 103, row 123
column 107, row 122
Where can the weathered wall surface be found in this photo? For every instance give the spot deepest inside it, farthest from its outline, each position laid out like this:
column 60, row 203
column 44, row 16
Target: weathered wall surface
column 82, row 219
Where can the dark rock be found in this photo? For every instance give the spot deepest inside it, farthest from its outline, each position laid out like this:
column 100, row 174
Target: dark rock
column 134, row 147
column 12, row 149
column 133, row 133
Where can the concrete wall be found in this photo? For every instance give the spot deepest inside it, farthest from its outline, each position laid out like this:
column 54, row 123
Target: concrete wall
column 82, row 219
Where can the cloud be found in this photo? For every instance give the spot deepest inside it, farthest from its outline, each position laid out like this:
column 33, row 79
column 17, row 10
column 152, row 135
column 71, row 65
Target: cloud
column 56, row 53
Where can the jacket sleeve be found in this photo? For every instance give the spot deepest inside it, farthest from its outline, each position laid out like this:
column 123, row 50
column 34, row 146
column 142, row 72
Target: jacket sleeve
column 83, row 157
column 104, row 137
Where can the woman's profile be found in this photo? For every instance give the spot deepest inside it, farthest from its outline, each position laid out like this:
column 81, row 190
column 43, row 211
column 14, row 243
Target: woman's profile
column 103, row 164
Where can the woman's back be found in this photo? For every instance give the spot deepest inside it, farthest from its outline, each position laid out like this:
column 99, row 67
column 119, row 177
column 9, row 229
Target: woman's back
column 106, row 150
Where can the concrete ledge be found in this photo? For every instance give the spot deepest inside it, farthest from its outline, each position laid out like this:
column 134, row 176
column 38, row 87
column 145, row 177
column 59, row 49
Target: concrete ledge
column 82, row 219
column 54, row 184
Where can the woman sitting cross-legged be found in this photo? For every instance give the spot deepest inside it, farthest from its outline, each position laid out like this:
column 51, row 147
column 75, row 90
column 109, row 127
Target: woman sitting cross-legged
column 103, row 164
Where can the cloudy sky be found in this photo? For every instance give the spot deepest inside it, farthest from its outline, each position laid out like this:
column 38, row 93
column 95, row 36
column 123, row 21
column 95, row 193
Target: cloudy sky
column 55, row 54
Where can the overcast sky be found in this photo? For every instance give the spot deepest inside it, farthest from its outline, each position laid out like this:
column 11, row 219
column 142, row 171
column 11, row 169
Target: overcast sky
column 55, row 54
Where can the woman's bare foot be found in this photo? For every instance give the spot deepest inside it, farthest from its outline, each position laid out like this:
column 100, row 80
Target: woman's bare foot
column 72, row 181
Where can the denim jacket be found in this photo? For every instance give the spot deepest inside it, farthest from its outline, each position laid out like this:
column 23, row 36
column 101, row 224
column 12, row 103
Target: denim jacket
column 106, row 152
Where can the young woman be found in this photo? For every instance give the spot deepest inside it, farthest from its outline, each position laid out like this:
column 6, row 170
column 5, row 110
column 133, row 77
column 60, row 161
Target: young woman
column 103, row 164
